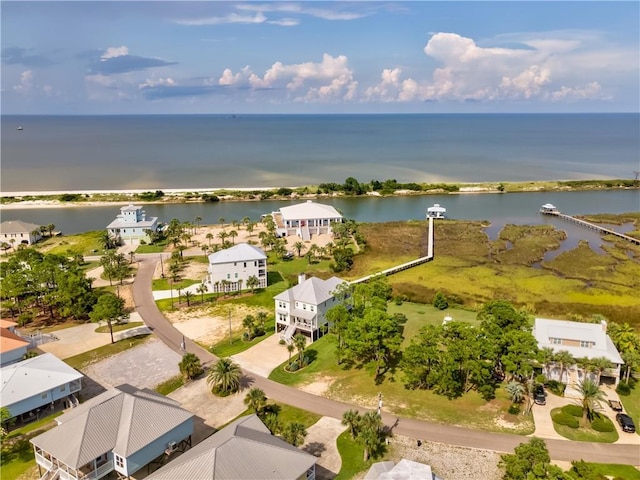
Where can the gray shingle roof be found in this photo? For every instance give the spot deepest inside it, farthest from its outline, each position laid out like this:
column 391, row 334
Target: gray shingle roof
column 122, row 419
column 18, row 226
column 242, row 252
column 245, row 450
column 313, row 291
column 33, row 376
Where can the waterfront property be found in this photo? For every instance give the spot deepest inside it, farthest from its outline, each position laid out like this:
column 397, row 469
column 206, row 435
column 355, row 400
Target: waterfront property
column 549, row 209
column 12, row 346
column 302, row 308
column 120, row 430
column 306, row 219
column 17, row 232
column 132, row 225
column 35, row 386
column 244, row 449
column 581, row 340
column 436, row 211
column 230, row 269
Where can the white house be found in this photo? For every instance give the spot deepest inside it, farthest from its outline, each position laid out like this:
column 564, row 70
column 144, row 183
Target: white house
column 302, row 308
column 16, row 232
column 229, row 269
column 244, row 449
column 131, row 224
column 305, row 219
column 33, row 385
column 403, row 470
column 581, row 340
column 121, row 430
column 436, row 211
column 12, row 346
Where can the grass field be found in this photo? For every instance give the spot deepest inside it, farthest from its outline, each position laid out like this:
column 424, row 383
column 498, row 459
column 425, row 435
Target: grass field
column 87, row 243
column 224, row 348
column 618, row 471
column 631, row 405
column 584, row 433
column 82, row 360
column 352, row 455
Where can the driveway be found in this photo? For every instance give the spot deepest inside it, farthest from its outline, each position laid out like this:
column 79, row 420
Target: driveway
column 321, row 442
column 263, row 357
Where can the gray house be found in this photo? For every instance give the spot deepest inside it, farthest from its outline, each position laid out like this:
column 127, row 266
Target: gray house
column 33, row 386
column 132, row 224
column 121, row 430
column 244, row 449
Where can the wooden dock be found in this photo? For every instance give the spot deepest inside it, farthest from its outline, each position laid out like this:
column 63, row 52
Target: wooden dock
column 592, row 226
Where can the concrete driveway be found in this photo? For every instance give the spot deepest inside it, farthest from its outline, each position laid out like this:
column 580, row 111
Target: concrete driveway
column 263, row 357
column 321, row 442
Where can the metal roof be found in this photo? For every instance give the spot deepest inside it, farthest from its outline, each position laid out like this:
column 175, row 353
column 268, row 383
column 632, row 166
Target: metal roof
column 403, row 470
column 309, row 209
column 122, row 419
column 544, row 329
column 33, row 376
column 242, row 252
column 10, row 341
column 18, row 226
column 245, row 450
column 313, row 291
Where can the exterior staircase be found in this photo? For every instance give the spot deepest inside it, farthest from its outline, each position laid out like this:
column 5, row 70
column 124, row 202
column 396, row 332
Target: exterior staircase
column 304, row 233
column 52, row 474
column 287, row 335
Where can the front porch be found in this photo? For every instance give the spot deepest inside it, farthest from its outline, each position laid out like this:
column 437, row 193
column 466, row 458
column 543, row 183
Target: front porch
column 94, row 470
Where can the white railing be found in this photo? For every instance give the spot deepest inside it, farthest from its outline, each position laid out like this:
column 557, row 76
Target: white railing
column 50, row 474
column 66, row 475
column 100, row 472
column 40, row 460
column 287, row 335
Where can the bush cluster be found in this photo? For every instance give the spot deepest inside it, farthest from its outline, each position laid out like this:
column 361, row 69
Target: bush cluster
column 623, row 389
column 514, row 409
column 556, row 387
column 566, row 420
column 602, row 424
column 573, row 410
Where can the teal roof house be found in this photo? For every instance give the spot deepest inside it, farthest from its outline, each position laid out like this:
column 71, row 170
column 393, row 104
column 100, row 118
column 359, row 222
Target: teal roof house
column 132, row 225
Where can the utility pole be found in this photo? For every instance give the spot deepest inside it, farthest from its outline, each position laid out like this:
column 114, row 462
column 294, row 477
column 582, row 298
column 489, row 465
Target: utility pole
column 161, row 266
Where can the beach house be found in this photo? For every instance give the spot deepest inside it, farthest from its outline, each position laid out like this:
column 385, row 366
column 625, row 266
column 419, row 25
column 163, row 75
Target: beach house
column 244, row 449
column 230, row 269
column 132, row 225
column 12, row 346
column 35, row 386
column 302, row 308
column 305, row 219
column 436, row 211
column 120, row 430
column 16, row 232
column 581, row 340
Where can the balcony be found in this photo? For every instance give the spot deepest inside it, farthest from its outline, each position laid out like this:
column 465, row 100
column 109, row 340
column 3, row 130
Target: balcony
column 43, row 462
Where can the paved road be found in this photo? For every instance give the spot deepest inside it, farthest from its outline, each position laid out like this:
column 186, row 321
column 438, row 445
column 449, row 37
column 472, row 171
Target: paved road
column 419, row 429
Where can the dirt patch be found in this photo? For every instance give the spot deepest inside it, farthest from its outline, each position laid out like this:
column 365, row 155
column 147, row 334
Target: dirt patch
column 319, row 386
column 210, row 325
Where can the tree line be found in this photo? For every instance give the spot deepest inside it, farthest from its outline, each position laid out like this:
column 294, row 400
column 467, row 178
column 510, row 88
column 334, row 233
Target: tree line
column 352, row 186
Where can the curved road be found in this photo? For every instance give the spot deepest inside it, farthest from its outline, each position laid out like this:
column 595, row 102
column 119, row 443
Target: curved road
column 419, row 429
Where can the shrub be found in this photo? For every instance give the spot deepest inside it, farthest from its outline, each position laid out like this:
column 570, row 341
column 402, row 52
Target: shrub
column 440, row 301
column 245, row 336
column 556, row 387
column 623, row 389
column 573, row 410
column 602, row 424
column 566, row 420
column 282, row 342
column 398, row 300
column 514, row 409
column 294, row 367
column 541, row 379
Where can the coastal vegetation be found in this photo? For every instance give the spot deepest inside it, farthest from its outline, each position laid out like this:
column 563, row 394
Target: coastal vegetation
column 351, row 187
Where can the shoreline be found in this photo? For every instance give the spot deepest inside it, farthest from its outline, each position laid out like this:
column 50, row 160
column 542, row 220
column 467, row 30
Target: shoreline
column 100, row 198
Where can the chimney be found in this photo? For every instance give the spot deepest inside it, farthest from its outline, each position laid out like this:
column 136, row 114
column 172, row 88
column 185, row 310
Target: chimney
column 604, row 325
column 301, row 278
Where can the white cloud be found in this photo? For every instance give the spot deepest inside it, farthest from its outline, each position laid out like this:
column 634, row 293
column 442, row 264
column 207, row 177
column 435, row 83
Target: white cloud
column 590, row 90
column 285, row 22
column 154, row 82
column 323, row 13
column 26, row 83
column 230, row 18
column 113, row 52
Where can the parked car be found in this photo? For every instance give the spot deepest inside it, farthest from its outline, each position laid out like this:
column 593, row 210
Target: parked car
column 626, row 423
column 615, row 405
column 539, row 397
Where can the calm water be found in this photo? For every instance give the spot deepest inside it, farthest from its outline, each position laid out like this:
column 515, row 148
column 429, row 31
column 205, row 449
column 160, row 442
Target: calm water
column 211, row 151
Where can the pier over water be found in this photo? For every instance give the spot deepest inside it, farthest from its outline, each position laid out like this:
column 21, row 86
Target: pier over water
column 549, row 209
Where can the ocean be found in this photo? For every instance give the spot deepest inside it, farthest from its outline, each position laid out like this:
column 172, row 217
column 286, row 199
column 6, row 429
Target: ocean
column 214, row 151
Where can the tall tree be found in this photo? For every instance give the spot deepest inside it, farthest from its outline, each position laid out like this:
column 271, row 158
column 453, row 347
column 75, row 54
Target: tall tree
column 109, row 308
column 190, row 366
column 351, row 418
column 225, row 376
column 529, row 462
column 565, row 360
column 338, row 318
column 590, row 397
column 253, row 282
column 299, row 246
column 256, row 400
column 370, row 433
column 300, row 342
column 294, row 433
column 290, row 348
column 202, row 289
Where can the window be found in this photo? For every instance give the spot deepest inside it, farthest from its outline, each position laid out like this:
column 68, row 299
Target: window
column 228, row 276
column 304, row 306
column 586, row 344
column 44, row 395
column 555, row 341
column 311, row 308
column 119, row 461
column 234, row 264
column 245, row 264
column 236, row 275
column 62, row 388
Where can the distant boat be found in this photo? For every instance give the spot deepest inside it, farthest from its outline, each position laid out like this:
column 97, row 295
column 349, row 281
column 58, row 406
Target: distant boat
column 19, row 127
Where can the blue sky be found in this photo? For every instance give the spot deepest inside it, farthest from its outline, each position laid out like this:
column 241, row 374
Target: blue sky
column 319, row 57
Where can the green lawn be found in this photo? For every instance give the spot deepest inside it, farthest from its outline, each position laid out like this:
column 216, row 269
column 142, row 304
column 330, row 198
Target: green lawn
column 224, row 348
column 357, row 385
column 163, row 284
column 583, row 433
column 82, row 360
column 289, row 414
column 118, row 327
column 87, row 243
column 632, row 405
column 168, row 386
column 352, row 455
column 155, row 248
column 16, row 459
column 616, row 470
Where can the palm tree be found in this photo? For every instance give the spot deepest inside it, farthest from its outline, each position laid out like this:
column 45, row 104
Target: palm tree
column 516, row 391
column 233, row 234
column 221, row 220
column 248, row 322
column 600, row 364
column 197, row 221
column 545, row 357
column 252, row 282
column 205, row 249
column 290, row 349
column 222, row 236
column 209, row 236
column 250, row 226
column 565, row 359
column 369, row 433
column 50, row 228
column 225, row 376
column 245, row 221
column 351, row 418
column 187, row 296
column 294, row 433
column 132, row 257
column 255, row 400
column 299, row 246
column 261, row 317
column 190, row 366
column 202, row 289
column 300, row 342
column 591, row 397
